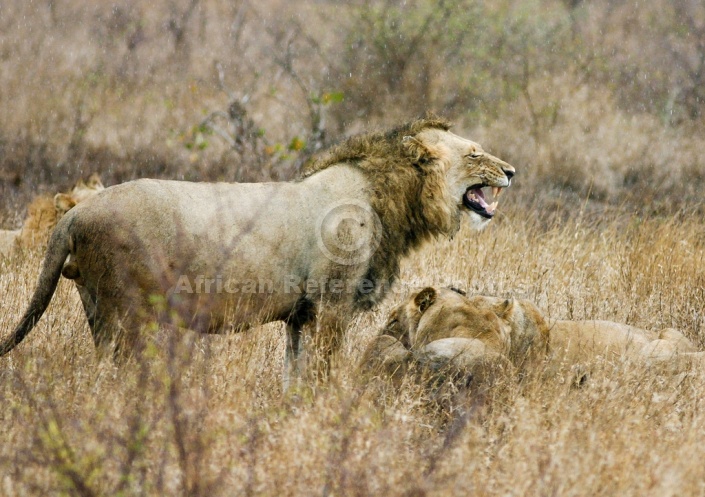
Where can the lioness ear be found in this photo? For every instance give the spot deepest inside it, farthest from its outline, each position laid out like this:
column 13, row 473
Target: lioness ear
column 425, row 298
column 63, row 203
column 94, row 182
column 505, row 307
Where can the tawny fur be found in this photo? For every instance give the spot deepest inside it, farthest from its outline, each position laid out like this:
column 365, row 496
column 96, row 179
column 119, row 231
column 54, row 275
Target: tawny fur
column 444, row 320
column 407, row 169
column 441, row 328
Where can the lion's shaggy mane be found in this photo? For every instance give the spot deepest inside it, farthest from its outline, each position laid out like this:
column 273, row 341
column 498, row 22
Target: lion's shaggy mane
column 408, row 193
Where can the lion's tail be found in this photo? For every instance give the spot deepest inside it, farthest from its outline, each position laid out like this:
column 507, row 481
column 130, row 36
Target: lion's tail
column 54, row 259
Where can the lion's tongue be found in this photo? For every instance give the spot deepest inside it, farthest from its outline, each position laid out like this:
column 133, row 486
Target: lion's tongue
column 477, row 195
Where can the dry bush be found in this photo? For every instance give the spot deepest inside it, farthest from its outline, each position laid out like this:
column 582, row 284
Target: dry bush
column 125, row 88
column 574, row 141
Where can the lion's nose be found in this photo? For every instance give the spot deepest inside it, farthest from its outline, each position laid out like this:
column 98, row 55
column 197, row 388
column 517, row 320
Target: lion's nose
column 509, row 173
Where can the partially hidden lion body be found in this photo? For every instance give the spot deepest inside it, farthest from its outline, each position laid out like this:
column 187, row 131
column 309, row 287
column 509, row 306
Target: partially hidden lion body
column 208, row 255
column 442, row 328
column 576, row 342
column 419, row 325
column 43, row 213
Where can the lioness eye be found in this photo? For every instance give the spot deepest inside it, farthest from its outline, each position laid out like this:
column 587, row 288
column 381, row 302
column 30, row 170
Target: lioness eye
column 475, row 155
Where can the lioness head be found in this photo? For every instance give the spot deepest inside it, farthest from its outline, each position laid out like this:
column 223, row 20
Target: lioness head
column 437, row 313
column 529, row 329
column 43, row 214
column 474, row 178
column 507, row 326
column 63, row 202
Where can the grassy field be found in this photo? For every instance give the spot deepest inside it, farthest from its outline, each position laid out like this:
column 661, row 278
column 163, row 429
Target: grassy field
column 198, row 416
column 599, row 105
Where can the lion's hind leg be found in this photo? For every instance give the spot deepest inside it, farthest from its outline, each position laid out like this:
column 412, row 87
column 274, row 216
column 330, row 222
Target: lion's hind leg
column 115, row 328
column 672, row 351
column 678, row 340
column 669, row 343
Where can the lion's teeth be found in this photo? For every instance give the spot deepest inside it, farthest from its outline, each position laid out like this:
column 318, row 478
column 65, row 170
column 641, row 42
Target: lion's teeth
column 496, row 191
column 492, row 207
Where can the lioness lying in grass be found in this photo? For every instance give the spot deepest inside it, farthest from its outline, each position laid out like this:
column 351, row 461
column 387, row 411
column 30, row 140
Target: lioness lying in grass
column 43, row 214
column 443, row 328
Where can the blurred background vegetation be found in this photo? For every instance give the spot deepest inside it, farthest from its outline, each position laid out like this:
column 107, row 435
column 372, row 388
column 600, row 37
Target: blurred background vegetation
column 600, row 99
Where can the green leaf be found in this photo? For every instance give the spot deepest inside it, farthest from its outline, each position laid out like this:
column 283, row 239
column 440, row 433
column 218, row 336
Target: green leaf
column 333, row 97
column 296, row 144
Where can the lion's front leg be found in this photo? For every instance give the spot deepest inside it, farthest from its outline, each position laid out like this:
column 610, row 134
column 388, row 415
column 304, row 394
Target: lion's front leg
column 293, row 356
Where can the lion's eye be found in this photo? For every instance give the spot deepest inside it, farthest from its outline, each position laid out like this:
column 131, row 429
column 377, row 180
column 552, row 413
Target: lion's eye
column 474, row 155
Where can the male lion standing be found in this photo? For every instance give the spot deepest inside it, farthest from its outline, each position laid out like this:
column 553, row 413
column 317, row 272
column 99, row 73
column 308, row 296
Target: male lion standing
column 319, row 248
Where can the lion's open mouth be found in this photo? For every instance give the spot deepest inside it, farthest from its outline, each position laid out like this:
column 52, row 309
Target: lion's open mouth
column 476, row 200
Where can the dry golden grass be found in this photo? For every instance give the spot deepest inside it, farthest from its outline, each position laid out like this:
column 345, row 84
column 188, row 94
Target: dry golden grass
column 205, row 415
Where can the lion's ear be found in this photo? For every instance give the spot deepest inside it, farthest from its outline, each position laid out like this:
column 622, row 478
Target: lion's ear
column 505, row 308
column 419, row 152
column 63, row 203
column 425, row 298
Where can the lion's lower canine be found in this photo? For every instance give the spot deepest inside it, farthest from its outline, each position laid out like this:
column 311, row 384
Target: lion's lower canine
column 200, row 254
